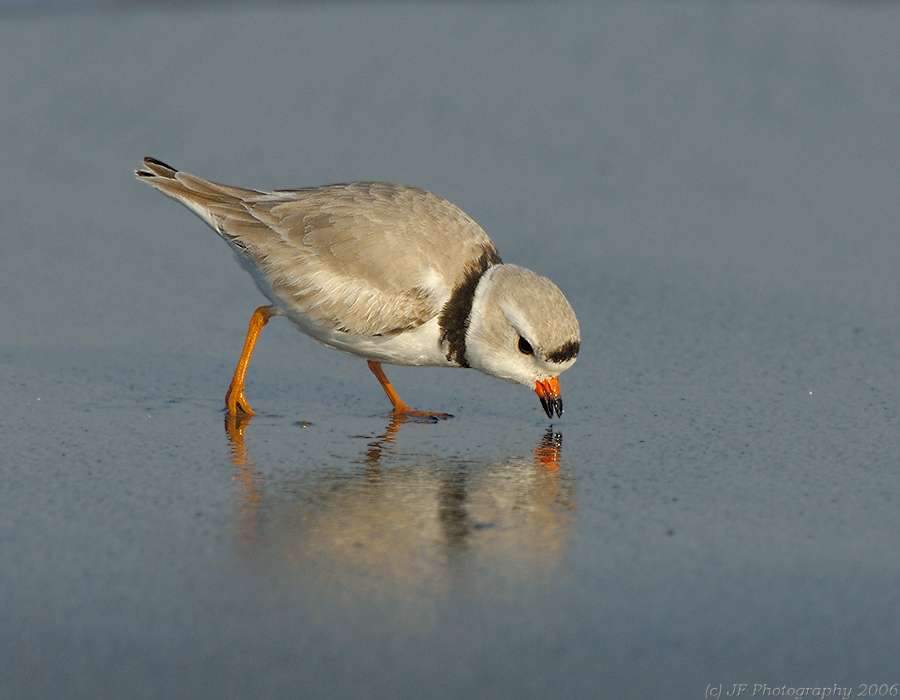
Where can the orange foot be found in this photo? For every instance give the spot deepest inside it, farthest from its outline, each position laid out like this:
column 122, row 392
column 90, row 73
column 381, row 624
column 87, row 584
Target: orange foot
column 424, row 416
column 400, row 408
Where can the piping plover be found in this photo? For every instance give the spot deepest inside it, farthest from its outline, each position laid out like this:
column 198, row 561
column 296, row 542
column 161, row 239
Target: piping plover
column 390, row 273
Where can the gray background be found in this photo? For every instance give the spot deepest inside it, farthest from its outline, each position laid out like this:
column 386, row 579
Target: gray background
column 713, row 185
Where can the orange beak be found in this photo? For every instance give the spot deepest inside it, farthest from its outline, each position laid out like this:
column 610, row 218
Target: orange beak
column 548, row 393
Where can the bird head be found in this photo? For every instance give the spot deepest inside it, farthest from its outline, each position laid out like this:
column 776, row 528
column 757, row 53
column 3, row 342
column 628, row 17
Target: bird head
column 523, row 329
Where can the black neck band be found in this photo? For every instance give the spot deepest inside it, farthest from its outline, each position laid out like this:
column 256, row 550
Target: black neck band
column 454, row 318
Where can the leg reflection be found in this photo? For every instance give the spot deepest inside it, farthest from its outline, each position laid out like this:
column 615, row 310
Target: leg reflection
column 382, row 442
column 249, row 496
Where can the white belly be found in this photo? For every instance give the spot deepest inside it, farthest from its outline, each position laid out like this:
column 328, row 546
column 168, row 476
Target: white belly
column 418, row 346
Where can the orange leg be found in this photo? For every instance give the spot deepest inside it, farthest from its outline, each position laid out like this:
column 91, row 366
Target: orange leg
column 234, row 397
column 400, row 408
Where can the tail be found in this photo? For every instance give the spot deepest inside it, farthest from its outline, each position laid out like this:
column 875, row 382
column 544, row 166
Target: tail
column 215, row 204
column 156, row 168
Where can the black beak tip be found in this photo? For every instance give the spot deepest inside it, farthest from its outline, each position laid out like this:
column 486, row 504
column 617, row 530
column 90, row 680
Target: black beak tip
column 551, row 406
column 548, row 407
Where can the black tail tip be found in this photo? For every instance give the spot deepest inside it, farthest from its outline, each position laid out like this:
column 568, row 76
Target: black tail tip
column 156, row 168
column 153, row 161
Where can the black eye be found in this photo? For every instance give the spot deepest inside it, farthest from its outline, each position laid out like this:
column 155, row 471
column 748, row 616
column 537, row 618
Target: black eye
column 525, row 347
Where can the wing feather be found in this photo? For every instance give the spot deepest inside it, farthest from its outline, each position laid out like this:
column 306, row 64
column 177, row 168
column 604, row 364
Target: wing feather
column 365, row 258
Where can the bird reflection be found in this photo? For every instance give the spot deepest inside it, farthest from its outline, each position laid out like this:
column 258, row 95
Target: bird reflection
column 404, row 520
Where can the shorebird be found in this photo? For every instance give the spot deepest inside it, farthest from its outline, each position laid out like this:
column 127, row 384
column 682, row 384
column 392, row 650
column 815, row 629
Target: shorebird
column 390, row 273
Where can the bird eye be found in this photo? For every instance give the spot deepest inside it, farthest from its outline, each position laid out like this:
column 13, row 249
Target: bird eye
column 525, row 347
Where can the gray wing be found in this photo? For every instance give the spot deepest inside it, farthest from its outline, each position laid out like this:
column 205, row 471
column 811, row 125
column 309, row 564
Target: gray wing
column 366, row 258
